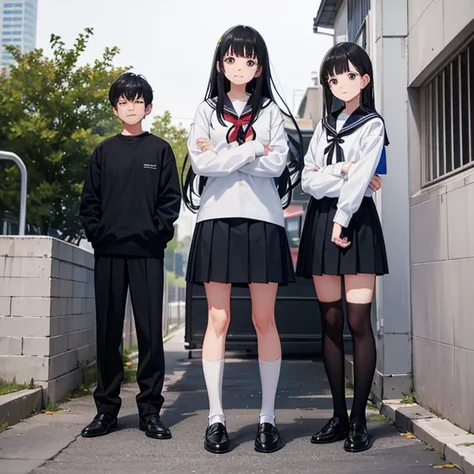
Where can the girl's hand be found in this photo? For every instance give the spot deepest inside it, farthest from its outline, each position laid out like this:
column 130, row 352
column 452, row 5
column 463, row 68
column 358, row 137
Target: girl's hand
column 336, row 236
column 376, row 183
column 205, row 144
column 267, row 149
column 346, row 167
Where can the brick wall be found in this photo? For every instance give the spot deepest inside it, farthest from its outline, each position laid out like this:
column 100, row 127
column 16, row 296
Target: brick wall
column 47, row 320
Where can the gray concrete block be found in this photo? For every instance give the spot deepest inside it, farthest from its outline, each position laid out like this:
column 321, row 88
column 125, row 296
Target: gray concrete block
column 61, row 325
column 19, row 405
column 7, row 246
column 36, row 346
column 31, row 307
column 31, row 246
column 55, row 265
column 10, row 345
column 61, row 386
column 456, row 453
column 62, row 364
column 80, row 274
column 65, row 271
column 78, row 257
column 64, row 251
column 45, row 346
column 79, row 339
column 78, row 306
column 86, row 353
column 25, row 286
column 24, row 327
column 5, row 305
column 26, row 267
column 24, row 368
column 436, row 432
column 59, row 306
column 89, row 260
column 80, row 289
column 83, row 321
column 62, row 288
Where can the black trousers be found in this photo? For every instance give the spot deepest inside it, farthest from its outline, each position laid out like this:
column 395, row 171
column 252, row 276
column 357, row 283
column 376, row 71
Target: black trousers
column 144, row 276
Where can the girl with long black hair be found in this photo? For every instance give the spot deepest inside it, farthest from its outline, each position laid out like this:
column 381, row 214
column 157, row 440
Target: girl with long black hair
column 342, row 237
column 242, row 174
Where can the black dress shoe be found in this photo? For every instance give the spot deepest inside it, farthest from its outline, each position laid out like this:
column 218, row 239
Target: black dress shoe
column 358, row 438
column 154, row 427
column 334, row 430
column 268, row 438
column 101, row 425
column 217, row 440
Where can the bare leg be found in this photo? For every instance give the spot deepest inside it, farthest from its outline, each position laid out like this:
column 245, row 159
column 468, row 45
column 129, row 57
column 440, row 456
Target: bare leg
column 213, row 349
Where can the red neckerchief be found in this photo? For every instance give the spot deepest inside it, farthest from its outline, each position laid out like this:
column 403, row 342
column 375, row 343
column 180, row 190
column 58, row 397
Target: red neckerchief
column 238, row 123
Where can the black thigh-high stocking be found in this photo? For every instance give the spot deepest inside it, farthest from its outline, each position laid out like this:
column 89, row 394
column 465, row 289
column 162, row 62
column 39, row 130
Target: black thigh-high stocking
column 333, row 354
column 360, row 325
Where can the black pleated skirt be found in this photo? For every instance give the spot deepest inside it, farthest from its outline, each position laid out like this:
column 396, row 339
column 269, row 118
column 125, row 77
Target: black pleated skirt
column 239, row 251
column 318, row 255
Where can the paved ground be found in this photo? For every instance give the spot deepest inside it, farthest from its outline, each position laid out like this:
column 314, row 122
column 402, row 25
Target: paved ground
column 50, row 443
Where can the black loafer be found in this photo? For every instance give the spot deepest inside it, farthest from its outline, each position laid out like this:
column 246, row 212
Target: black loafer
column 268, row 439
column 154, row 427
column 334, row 430
column 101, row 425
column 358, row 438
column 216, row 439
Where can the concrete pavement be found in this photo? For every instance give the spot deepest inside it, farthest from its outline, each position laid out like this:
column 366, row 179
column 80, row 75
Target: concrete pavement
column 50, row 443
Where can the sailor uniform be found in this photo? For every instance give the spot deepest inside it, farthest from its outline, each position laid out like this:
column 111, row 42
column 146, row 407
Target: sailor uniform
column 240, row 236
column 347, row 200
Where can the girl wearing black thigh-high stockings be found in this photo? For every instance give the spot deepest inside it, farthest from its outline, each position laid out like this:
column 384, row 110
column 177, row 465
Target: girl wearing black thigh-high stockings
column 342, row 237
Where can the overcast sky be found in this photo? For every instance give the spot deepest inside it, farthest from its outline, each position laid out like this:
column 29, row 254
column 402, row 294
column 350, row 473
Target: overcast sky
column 171, row 42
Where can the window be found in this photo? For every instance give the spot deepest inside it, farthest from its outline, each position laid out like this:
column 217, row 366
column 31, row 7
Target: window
column 357, row 10
column 448, row 118
column 11, row 19
column 12, row 12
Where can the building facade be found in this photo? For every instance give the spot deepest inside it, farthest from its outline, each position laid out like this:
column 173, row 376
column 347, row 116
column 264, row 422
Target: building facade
column 423, row 57
column 18, row 19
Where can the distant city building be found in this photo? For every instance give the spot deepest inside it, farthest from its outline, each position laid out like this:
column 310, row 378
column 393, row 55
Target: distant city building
column 17, row 27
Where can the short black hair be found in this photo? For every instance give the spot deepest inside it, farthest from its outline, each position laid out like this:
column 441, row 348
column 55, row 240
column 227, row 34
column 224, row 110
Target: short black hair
column 131, row 86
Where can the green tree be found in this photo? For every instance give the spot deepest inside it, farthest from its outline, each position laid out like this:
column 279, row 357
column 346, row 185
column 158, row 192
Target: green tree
column 53, row 113
column 175, row 136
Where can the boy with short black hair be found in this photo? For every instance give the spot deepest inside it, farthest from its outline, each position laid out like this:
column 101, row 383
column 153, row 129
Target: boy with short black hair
column 130, row 201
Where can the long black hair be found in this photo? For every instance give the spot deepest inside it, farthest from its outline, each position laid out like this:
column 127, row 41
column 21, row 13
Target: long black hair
column 245, row 41
column 336, row 62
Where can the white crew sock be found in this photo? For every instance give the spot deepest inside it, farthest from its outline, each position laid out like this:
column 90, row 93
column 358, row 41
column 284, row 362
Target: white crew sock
column 213, row 375
column 269, row 376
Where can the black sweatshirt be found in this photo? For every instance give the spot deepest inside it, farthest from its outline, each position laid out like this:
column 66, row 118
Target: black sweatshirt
column 131, row 196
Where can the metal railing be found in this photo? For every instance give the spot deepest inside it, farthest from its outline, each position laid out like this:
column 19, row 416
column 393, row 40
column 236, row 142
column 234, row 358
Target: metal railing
column 7, row 155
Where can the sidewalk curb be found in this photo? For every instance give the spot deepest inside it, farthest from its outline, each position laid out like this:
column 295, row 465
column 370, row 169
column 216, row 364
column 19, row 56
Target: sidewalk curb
column 16, row 406
column 455, row 444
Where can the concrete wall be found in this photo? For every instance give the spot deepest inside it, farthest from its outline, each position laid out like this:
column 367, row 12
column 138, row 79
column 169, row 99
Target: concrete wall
column 340, row 24
column 386, row 38
column 442, row 236
column 47, row 320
